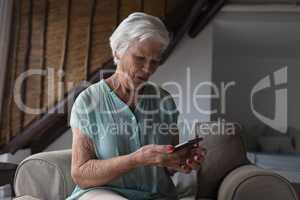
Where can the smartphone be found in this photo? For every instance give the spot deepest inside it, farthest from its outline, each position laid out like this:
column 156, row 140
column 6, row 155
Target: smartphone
column 189, row 143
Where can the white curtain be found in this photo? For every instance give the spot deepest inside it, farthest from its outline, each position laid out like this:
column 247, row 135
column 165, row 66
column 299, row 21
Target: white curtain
column 6, row 8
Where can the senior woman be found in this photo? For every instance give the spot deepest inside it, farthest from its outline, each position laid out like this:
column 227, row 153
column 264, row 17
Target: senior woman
column 124, row 127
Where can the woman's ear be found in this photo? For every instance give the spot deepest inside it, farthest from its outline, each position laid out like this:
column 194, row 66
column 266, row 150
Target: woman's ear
column 117, row 55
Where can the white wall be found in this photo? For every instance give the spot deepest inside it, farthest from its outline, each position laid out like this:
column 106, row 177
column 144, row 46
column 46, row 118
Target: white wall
column 189, row 65
column 63, row 142
column 248, row 47
column 193, row 53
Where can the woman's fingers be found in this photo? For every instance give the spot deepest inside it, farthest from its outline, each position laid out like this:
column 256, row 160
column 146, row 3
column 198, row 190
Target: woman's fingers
column 153, row 154
column 183, row 154
column 183, row 161
column 193, row 164
column 182, row 168
column 163, row 148
column 179, row 158
column 198, row 158
column 200, row 152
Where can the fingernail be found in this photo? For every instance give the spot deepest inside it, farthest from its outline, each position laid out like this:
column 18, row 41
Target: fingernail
column 170, row 147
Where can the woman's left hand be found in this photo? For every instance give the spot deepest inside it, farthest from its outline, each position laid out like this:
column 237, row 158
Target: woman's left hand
column 195, row 160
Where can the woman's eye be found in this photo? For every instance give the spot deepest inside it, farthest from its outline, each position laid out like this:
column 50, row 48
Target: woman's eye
column 155, row 62
column 139, row 59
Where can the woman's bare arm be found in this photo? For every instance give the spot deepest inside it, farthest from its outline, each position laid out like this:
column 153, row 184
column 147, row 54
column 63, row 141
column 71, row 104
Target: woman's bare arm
column 87, row 171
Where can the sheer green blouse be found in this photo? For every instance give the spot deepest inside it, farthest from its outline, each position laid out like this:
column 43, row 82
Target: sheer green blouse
column 117, row 130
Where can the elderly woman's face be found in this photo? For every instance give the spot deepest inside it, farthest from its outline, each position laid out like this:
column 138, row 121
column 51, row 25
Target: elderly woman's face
column 141, row 60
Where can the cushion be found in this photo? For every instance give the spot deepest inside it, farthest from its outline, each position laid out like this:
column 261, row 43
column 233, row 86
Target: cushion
column 225, row 152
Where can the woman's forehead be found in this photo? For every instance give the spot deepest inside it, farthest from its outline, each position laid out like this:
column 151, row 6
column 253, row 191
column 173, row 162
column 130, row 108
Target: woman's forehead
column 147, row 46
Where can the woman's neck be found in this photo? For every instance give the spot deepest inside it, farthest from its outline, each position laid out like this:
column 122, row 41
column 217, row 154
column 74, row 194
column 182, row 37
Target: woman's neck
column 123, row 88
column 122, row 83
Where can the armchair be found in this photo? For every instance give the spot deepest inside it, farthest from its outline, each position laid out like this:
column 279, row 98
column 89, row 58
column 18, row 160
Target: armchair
column 226, row 174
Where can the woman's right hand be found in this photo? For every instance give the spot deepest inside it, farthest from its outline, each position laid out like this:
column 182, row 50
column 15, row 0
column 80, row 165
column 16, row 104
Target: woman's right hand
column 162, row 156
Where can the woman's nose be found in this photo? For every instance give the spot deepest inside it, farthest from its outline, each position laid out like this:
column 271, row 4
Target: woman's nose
column 147, row 68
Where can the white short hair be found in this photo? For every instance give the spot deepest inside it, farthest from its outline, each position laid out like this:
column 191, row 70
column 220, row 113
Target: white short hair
column 137, row 27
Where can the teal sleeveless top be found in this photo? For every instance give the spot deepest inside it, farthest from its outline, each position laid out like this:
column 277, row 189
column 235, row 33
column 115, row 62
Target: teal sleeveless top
column 117, row 130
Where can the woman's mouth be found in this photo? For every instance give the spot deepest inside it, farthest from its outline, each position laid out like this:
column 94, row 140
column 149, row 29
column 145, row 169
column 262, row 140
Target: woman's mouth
column 142, row 78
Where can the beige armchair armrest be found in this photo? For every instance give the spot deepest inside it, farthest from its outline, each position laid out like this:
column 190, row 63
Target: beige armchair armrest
column 250, row 182
column 26, row 197
column 45, row 175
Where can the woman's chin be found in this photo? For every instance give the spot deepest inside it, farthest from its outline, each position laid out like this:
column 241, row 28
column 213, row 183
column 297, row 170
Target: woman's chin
column 140, row 81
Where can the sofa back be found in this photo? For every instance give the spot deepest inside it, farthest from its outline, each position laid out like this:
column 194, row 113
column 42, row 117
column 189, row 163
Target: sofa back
column 225, row 152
